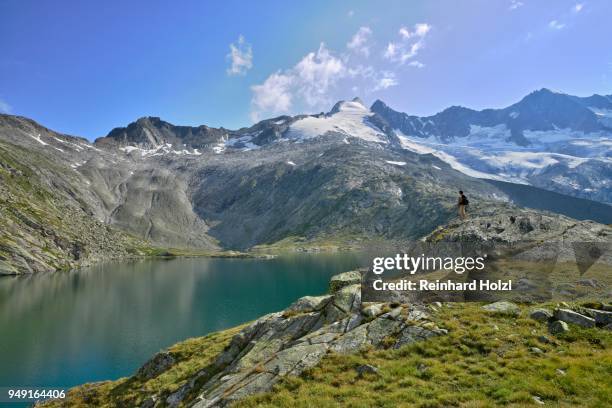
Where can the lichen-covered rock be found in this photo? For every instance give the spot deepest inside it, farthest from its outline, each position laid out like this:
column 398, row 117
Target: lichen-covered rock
column 372, row 310
column 309, row 303
column 602, row 317
column 287, row 343
column 541, row 315
column 156, row 365
column 366, row 369
column 569, row 316
column 503, row 308
column 339, row 281
column 412, row 334
column 558, row 327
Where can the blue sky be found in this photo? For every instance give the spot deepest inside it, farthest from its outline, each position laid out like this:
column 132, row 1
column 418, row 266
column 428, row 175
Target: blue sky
column 85, row 67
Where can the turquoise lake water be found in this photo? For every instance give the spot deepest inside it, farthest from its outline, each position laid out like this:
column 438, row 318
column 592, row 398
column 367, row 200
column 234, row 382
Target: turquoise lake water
column 66, row 328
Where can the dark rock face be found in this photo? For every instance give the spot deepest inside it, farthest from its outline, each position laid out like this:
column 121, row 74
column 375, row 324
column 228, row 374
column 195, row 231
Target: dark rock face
column 150, row 132
column 213, row 188
column 542, row 122
column 539, row 111
column 569, row 316
column 155, row 366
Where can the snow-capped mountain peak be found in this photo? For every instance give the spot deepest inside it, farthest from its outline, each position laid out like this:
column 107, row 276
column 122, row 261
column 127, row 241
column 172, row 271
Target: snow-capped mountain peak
column 348, row 118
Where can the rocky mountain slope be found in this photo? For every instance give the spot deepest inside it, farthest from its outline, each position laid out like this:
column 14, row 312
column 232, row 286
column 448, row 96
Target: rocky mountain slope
column 329, row 349
column 345, row 176
column 548, row 139
column 46, row 221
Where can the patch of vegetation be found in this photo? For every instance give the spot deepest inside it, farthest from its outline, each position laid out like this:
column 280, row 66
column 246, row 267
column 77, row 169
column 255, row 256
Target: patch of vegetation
column 485, row 360
column 191, row 356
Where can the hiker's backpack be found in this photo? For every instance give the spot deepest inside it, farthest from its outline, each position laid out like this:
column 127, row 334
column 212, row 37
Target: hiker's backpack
column 464, row 200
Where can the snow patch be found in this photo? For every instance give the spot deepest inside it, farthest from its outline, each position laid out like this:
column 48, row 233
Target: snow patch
column 397, row 163
column 350, row 120
column 291, row 163
column 78, row 164
column 39, row 139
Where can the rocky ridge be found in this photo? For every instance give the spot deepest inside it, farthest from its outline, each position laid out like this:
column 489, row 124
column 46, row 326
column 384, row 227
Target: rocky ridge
column 287, row 343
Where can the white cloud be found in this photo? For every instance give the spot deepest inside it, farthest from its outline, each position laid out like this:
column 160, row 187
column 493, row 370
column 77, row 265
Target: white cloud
column 555, row 25
column 514, row 4
column 416, row 64
column 390, row 51
column 5, row 107
column 309, row 81
column 323, row 76
column 578, row 7
column 412, row 41
column 350, row 13
column 359, row 42
column 420, row 30
column 274, row 95
column 387, row 80
column 241, row 55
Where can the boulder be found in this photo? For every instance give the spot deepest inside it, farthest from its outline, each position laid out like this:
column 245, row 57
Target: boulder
column 558, row 327
column 366, row 369
column 503, row 308
column 339, row 281
column 309, row 303
column 412, row 334
column 156, row 365
column 569, row 316
column 541, row 315
column 372, row 310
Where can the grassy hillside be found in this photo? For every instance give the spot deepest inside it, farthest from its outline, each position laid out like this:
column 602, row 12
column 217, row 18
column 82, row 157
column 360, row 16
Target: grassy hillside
column 485, row 360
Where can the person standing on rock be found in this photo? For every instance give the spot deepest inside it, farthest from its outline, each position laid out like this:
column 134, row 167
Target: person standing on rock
column 462, row 203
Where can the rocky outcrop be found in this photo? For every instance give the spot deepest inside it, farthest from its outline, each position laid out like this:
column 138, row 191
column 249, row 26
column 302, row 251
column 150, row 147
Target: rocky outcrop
column 583, row 316
column 288, row 342
column 503, row 308
column 507, row 225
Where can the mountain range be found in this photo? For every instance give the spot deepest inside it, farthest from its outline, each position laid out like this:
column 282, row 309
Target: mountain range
column 340, row 178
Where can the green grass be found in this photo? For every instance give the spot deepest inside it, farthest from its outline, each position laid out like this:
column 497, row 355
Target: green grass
column 484, row 361
column 192, row 356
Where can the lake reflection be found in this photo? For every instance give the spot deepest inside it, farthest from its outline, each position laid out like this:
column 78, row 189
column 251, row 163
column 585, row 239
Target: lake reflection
column 67, row 328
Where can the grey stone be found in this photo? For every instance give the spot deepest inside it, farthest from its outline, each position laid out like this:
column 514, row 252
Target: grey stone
column 536, row 350
column 339, row 281
column 348, row 299
column 393, row 313
column 544, row 340
column 309, row 303
column 412, row 334
column 156, row 365
column 602, row 317
column 569, row 316
column 504, row 308
column 588, row 282
column 558, row 327
column 541, row 315
column 366, row 369
column 148, row 402
column 372, row 310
